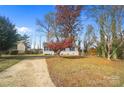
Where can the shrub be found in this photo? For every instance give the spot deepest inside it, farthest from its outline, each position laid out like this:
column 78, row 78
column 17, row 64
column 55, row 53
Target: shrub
column 14, row 52
column 28, row 52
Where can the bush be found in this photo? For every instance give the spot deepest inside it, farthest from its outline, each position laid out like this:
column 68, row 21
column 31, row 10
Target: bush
column 28, row 52
column 46, row 54
column 14, row 52
column 92, row 51
column 36, row 51
column 120, row 52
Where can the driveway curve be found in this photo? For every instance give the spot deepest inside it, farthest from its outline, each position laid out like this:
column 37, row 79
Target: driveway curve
column 27, row 73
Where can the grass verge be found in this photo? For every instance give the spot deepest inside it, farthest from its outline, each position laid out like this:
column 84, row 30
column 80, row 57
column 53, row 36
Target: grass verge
column 6, row 62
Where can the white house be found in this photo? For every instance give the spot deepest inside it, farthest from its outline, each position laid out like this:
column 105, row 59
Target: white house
column 21, row 47
column 68, row 51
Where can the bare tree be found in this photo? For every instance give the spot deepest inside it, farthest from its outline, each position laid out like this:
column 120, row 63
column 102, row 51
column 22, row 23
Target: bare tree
column 110, row 25
column 89, row 38
column 49, row 26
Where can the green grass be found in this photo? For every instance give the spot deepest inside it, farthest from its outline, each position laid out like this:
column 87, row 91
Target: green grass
column 9, row 60
column 90, row 71
column 6, row 62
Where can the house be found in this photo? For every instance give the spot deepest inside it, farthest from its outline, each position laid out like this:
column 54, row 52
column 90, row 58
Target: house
column 18, row 48
column 67, row 51
column 36, row 51
column 21, row 47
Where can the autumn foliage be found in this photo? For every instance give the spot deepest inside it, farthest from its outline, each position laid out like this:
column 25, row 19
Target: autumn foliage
column 58, row 46
column 67, row 21
column 68, row 18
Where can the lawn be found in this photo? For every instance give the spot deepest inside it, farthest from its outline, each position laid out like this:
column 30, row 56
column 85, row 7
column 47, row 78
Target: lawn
column 9, row 60
column 88, row 71
column 6, row 62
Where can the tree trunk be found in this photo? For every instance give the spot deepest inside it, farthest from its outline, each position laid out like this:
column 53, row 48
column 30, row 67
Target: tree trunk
column 114, row 56
column 114, row 53
column 109, row 56
column 79, row 48
column 79, row 51
column 57, row 53
column 85, row 52
column 103, row 52
column 0, row 54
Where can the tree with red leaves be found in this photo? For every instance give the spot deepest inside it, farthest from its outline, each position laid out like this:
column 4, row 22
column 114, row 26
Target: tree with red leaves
column 67, row 19
column 57, row 47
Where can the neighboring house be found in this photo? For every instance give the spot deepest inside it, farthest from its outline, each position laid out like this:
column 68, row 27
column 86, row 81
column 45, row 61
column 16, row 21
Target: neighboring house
column 67, row 51
column 21, row 47
column 36, row 51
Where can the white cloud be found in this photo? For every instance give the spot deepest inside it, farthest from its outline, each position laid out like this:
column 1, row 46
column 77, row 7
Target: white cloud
column 23, row 29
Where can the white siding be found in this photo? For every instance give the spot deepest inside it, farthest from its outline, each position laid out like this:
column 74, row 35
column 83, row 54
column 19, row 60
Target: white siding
column 69, row 53
column 21, row 47
column 48, row 52
column 66, row 52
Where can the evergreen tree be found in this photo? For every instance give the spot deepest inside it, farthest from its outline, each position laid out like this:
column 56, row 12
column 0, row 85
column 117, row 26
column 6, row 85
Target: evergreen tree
column 8, row 34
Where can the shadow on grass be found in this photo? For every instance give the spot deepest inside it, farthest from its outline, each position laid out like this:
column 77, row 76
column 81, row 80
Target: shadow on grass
column 74, row 57
column 12, row 57
column 20, row 57
column 67, row 57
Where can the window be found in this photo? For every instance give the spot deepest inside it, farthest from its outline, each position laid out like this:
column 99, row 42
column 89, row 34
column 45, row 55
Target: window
column 45, row 48
column 72, row 49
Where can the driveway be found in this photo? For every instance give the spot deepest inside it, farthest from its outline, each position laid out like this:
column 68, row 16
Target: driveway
column 27, row 73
